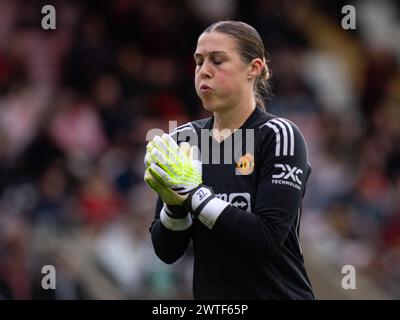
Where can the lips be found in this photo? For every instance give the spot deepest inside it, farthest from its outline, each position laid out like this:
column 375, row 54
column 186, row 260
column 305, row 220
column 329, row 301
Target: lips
column 205, row 87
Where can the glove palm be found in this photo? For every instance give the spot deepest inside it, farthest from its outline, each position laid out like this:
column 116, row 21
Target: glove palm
column 172, row 171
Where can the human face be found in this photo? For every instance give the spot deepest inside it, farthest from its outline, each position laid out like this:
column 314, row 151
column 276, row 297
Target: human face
column 221, row 76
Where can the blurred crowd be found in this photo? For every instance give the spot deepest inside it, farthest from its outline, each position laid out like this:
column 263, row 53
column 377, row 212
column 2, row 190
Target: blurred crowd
column 77, row 102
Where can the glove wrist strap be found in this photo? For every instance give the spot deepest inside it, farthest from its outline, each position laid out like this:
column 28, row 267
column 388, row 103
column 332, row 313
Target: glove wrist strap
column 198, row 199
column 175, row 224
column 175, row 212
column 205, row 206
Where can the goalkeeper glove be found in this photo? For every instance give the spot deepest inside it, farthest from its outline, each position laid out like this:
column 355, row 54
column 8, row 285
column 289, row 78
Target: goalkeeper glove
column 172, row 171
column 172, row 205
column 181, row 175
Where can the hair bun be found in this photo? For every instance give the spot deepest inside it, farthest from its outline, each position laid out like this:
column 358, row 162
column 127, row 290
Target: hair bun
column 265, row 72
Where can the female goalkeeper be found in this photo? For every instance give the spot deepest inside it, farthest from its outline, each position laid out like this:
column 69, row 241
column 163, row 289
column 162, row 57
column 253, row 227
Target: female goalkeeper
column 240, row 200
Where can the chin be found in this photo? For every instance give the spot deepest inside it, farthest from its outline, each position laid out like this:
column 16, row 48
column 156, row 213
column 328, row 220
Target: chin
column 211, row 105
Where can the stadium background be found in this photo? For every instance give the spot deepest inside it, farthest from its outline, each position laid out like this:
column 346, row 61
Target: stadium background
column 76, row 104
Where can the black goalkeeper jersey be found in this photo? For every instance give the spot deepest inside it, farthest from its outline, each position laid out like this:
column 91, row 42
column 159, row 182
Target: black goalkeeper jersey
column 253, row 250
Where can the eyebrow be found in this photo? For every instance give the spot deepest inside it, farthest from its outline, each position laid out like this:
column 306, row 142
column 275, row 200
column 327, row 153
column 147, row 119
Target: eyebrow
column 196, row 54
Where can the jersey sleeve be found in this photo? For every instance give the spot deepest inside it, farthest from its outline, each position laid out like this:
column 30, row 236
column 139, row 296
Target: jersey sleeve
column 169, row 245
column 282, row 175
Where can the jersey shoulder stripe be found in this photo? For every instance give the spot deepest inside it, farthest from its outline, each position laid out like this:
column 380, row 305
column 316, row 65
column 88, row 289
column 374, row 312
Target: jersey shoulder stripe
column 284, row 136
column 184, row 127
column 194, row 126
column 189, row 132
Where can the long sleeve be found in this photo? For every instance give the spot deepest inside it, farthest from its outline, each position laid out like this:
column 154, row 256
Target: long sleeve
column 168, row 245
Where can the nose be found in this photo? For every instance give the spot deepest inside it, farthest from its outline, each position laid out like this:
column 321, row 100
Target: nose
column 206, row 70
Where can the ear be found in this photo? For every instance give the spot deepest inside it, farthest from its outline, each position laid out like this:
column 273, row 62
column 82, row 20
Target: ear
column 254, row 69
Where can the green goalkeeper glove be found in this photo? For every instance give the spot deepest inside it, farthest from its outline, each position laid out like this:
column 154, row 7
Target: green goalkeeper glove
column 172, row 171
column 178, row 175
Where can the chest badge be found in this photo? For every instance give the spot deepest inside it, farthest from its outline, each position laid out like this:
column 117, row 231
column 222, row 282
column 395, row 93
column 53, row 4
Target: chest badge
column 245, row 165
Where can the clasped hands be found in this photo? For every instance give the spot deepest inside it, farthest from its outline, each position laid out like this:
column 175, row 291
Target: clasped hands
column 174, row 172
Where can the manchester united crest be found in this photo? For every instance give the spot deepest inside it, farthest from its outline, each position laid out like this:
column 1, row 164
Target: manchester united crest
column 245, row 165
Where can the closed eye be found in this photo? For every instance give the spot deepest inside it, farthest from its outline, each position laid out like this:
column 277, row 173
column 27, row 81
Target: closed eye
column 216, row 62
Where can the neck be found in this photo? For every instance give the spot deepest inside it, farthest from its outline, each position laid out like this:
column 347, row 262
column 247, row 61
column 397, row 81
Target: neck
column 232, row 118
